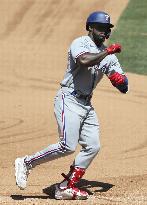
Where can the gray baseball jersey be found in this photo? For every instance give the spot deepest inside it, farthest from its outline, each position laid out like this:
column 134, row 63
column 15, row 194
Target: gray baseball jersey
column 84, row 80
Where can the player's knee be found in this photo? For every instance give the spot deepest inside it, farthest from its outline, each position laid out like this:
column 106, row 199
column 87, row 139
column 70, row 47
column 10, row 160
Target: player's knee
column 70, row 150
column 95, row 149
column 67, row 149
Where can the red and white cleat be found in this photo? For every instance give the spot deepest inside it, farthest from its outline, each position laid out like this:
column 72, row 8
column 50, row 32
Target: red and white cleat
column 70, row 193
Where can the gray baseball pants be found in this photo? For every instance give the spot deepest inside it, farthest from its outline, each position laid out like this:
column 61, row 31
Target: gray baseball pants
column 77, row 123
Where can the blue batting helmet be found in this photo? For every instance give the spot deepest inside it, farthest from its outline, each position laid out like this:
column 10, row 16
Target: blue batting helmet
column 98, row 17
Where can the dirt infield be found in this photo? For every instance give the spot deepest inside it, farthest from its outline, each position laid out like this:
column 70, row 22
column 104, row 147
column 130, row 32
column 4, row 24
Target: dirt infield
column 34, row 38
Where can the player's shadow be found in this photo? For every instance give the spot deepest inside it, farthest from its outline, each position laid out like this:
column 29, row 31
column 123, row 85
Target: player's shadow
column 23, row 197
column 84, row 185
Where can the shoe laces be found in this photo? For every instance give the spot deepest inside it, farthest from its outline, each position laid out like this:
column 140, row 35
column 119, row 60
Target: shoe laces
column 26, row 171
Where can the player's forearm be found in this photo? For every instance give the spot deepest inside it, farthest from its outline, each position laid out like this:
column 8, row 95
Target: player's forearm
column 90, row 59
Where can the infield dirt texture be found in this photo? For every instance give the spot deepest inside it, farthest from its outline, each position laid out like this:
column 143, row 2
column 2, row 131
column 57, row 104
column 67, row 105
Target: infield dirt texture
column 34, row 39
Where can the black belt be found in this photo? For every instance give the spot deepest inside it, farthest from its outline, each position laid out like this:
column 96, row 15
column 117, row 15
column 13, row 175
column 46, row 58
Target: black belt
column 81, row 97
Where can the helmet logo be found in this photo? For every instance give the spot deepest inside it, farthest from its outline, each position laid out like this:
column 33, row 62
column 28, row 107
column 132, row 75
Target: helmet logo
column 107, row 17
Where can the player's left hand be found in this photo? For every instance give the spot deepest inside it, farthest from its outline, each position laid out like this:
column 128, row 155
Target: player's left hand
column 117, row 78
column 119, row 81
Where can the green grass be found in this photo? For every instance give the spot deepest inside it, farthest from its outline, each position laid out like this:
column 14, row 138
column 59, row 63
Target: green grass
column 131, row 33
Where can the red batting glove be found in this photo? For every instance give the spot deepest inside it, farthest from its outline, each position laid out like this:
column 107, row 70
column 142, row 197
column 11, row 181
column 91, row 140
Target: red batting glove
column 117, row 78
column 114, row 48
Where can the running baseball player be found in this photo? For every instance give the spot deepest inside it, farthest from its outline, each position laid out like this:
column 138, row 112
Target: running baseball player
column 88, row 61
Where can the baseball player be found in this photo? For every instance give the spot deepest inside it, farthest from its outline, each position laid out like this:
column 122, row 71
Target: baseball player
column 88, row 61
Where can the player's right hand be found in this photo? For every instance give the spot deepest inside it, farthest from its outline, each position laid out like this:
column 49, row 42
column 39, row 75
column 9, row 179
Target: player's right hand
column 114, row 48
